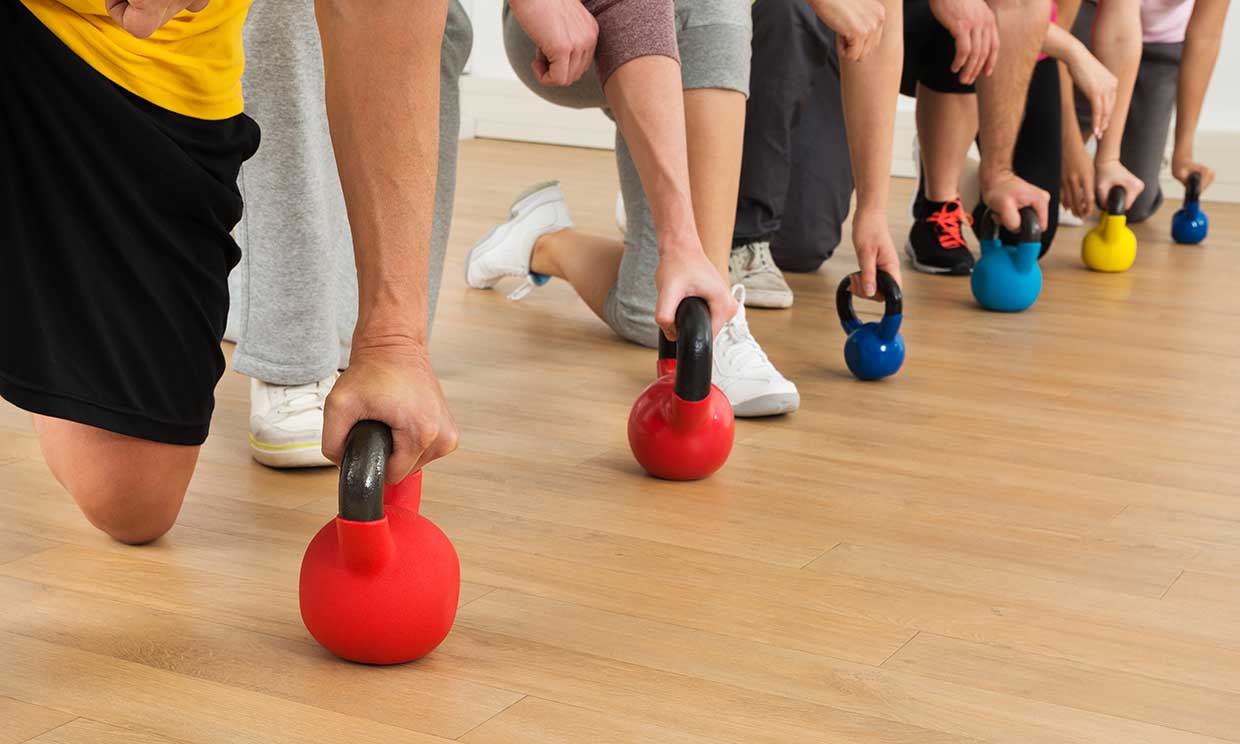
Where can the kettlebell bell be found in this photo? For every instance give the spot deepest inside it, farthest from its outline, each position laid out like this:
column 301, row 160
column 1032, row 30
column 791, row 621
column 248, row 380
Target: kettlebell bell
column 1110, row 246
column 1189, row 224
column 1007, row 278
column 380, row 582
column 681, row 427
column 873, row 350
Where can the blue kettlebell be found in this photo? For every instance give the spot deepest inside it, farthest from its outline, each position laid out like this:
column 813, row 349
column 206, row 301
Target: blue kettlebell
column 873, row 350
column 1007, row 278
column 1189, row 225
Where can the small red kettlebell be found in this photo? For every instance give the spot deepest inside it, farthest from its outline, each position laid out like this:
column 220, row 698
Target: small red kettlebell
column 681, row 427
column 380, row 582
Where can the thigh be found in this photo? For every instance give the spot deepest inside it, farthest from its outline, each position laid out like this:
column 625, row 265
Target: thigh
column 585, row 93
column 116, row 249
column 929, row 50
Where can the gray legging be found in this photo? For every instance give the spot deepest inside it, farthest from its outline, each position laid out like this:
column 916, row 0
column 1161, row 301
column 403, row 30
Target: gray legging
column 713, row 36
column 294, row 294
column 1149, row 113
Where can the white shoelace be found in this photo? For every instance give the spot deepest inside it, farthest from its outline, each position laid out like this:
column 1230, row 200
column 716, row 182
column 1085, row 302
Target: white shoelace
column 301, row 398
column 743, row 352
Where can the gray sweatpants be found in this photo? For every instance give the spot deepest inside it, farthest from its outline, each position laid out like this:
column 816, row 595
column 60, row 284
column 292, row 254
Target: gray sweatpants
column 713, row 37
column 1149, row 113
column 294, row 294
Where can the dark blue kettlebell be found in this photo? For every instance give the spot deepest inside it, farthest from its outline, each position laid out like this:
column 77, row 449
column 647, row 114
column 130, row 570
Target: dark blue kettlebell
column 1007, row 278
column 1189, row 225
column 873, row 350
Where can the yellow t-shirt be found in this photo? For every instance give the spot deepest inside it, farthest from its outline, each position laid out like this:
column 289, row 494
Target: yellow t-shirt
column 191, row 66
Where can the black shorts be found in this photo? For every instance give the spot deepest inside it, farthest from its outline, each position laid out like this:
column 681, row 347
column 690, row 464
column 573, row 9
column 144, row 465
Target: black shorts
column 114, row 244
column 928, row 52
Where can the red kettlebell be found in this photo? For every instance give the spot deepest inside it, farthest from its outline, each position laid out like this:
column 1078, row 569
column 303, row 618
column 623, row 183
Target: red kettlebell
column 681, row 427
column 380, row 582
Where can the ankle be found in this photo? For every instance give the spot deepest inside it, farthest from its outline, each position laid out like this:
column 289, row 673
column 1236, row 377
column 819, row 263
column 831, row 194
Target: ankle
column 543, row 257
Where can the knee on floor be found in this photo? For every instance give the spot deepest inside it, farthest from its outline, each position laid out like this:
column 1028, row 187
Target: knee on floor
column 134, row 513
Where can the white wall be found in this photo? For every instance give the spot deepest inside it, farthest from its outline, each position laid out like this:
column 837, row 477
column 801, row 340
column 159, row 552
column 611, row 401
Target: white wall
column 495, row 105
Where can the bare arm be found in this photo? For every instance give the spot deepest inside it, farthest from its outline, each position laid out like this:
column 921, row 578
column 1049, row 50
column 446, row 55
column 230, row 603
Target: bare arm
column 382, row 75
column 1001, row 107
column 647, row 99
column 871, row 87
column 1116, row 43
column 1201, row 45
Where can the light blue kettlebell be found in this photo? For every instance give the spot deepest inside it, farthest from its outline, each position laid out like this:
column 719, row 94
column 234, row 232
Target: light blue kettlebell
column 1007, row 278
column 873, row 350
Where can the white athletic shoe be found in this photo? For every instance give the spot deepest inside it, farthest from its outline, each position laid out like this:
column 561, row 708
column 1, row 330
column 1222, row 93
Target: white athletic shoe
column 286, row 423
column 1067, row 218
column 751, row 265
column 506, row 250
column 622, row 217
column 744, row 374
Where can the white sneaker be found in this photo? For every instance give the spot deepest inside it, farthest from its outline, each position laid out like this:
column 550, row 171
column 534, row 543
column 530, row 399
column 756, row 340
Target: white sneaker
column 622, row 217
column 751, row 265
column 1067, row 218
column 744, row 374
column 286, row 423
column 506, row 250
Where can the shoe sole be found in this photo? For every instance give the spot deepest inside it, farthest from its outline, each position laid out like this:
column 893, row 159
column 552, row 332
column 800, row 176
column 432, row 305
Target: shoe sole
column 770, row 300
column 928, row 269
column 773, row 404
column 288, row 456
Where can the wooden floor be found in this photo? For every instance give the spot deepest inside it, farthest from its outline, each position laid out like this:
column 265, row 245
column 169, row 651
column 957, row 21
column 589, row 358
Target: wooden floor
column 1030, row 535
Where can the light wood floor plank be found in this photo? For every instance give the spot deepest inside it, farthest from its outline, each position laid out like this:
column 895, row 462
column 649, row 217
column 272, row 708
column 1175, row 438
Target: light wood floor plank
column 1070, row 684
column 1193, row 586
column 537, row 721
column 85, row 731
column 131, row 695
column 413, row 697
column 931, row 704
column 21, row 721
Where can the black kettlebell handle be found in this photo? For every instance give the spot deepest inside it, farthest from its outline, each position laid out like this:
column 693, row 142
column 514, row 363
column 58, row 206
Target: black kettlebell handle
column 1192, row 190
column 1115, row 200
column 1030, row 228
column 691, row 350
column 893, row 298
column 362, row 471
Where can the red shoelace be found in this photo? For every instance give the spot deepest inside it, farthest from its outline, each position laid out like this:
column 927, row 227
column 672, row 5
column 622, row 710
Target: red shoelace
column 948, row 219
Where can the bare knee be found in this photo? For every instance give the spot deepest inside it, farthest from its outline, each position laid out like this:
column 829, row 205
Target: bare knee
column 128, row 515
column 129, row 488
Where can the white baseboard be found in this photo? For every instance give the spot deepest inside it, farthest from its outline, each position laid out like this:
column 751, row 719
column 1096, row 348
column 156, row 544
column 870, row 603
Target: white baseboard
column 506, row 109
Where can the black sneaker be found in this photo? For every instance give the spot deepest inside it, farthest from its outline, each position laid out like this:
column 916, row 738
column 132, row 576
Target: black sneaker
column 935, row 242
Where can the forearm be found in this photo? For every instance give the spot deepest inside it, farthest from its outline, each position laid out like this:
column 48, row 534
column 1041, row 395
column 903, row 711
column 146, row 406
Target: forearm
column 870, row 89
column 1117, row 44
column 1001, row 95
column 1070, row 125
column 1201, row 47
column 1061, row 44
column 646, row 98
column 381, row 64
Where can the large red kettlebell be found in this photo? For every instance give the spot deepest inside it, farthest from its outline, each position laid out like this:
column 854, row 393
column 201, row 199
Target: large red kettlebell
column 681, row 427
column 380, row 582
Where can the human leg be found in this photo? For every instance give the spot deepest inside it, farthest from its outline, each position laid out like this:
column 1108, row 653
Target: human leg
column 115, row 296
column 1149, row 123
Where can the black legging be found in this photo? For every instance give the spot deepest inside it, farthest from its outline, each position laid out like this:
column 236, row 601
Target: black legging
column 1038, row 156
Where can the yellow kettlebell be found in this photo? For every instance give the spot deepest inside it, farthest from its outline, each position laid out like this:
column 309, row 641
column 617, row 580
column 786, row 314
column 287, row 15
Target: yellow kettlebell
column 1111, row 246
